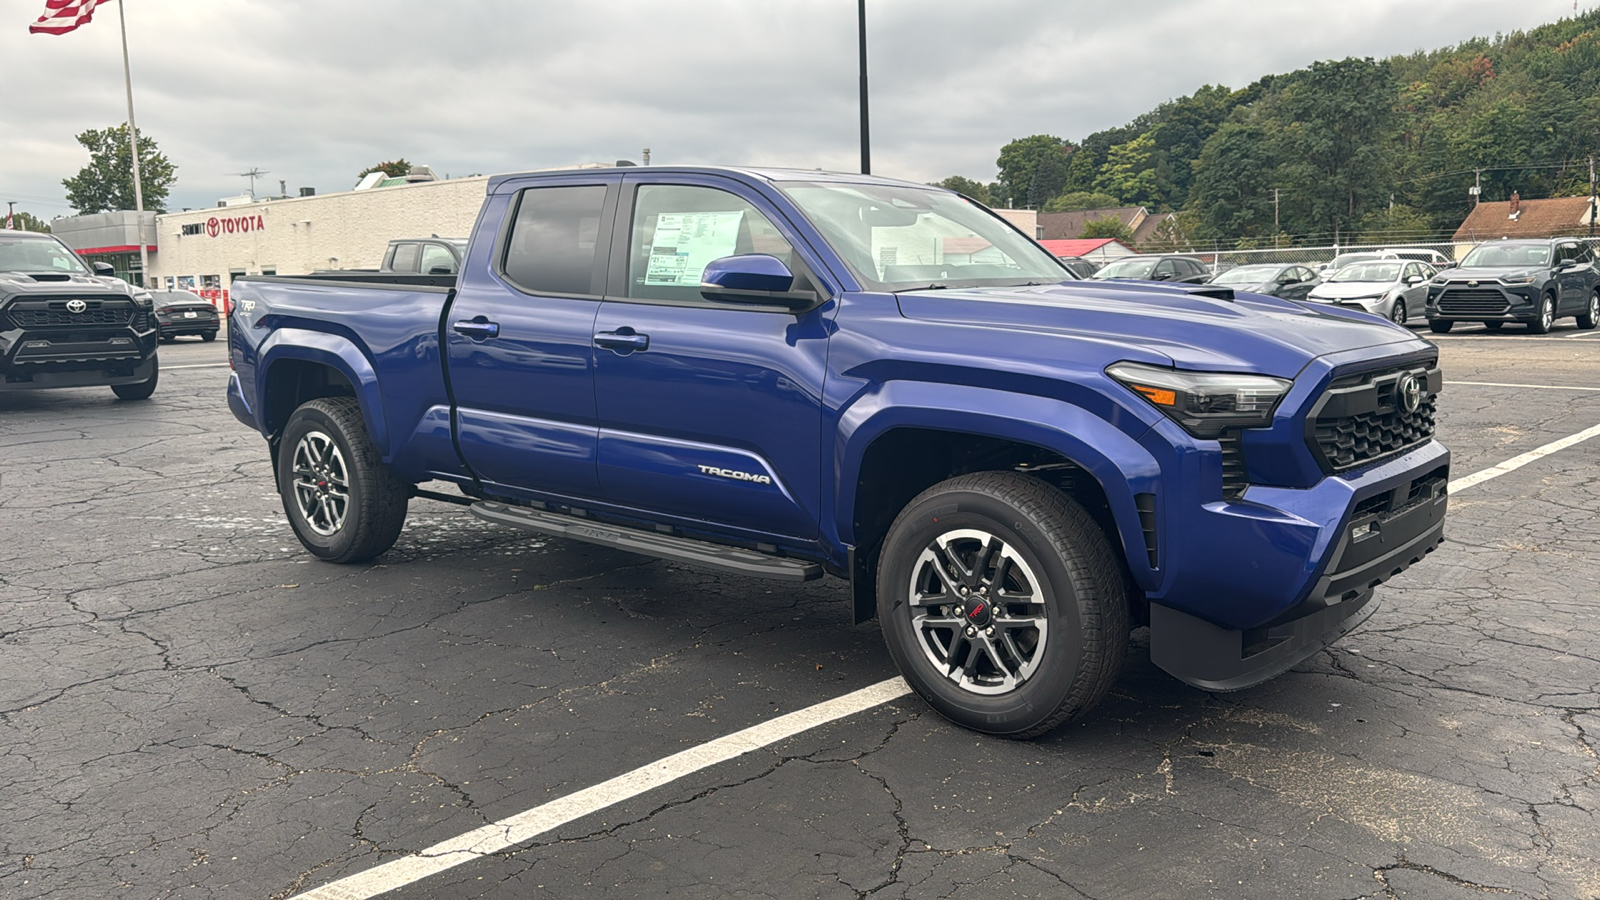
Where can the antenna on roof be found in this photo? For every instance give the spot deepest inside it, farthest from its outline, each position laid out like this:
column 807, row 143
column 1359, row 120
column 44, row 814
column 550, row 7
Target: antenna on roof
column 253, row 174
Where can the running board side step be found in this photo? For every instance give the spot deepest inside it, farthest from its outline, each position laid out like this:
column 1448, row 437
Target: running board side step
column 649, row 543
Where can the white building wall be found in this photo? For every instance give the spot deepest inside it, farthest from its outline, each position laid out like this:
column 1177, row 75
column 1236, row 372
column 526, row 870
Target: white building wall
column 349, row 230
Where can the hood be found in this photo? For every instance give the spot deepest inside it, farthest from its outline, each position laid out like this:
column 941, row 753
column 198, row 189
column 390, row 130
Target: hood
column 1344, row 290
column 1490, row 273
column 17, row 283
column 1138, row 320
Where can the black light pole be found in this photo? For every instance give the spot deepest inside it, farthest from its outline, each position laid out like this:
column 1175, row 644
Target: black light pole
column 866, row 146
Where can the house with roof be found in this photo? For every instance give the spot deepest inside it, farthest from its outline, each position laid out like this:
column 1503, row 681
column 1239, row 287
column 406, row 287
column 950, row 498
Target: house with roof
column 1518, row 218
column 1099, row 250
column 1066, row 226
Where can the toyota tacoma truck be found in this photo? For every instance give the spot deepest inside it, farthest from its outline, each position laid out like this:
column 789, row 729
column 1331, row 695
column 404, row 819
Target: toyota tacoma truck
column 65, row 325
column 1532, row 282
column 792, row 374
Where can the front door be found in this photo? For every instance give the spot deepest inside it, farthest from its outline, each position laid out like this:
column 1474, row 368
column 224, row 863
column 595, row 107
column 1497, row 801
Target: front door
column 708, row 411
column 519, row 340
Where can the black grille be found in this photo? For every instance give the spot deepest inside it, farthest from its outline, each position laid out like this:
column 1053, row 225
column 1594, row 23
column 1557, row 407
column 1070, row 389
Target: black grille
column 1468, row 301
column 1235, row 477
column 1348, row 441
column 37, row 314
column 1146, row 504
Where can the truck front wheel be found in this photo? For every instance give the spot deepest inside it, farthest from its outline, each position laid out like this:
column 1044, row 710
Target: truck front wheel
column 1002, row 604
column 342, row 501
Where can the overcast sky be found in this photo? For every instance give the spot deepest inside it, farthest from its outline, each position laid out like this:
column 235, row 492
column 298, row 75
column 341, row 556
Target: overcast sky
column 313, row 91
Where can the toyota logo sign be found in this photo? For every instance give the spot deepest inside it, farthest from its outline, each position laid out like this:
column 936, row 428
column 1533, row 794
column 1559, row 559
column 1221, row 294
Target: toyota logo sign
column 1409, row 392
column 76, row 306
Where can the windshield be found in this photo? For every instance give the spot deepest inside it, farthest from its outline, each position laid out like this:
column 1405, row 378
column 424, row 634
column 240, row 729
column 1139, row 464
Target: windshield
column 1383, row 272
column 1345, row 259
column 1128, row 268
column 897, row 238
column 1246, row 275
column 1505, row 256
column 32, row 256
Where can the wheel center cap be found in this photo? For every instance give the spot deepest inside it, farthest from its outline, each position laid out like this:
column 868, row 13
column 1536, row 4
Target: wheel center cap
column 980, row 614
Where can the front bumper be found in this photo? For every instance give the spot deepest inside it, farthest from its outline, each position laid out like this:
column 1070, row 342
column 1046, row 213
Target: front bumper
column 1303, row 566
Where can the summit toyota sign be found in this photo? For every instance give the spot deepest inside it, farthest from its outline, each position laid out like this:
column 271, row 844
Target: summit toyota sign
column 217, row 225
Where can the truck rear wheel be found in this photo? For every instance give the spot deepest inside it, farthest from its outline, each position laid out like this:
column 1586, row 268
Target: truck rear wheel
column 342, row 502
column 1002, row 604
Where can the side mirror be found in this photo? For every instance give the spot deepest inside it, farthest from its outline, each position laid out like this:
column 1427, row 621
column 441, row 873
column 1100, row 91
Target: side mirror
column 1413, row 279
column 753, row 278
column 104, row 269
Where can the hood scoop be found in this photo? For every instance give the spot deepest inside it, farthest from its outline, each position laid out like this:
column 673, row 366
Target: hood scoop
column 48, row 276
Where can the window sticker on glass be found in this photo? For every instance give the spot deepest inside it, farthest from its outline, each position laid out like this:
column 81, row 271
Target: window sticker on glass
column 685, row 242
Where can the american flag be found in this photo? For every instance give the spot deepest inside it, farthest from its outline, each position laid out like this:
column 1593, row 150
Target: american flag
column 62, row 16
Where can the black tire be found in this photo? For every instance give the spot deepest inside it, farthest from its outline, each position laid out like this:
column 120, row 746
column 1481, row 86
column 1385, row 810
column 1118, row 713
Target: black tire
column 1397, row 314
column 168, row 338
column 208, row 336
column 1440, row 326
column 311, row 478
column 1049, row 549
column 1494, row 326
column 1590, row 317
column 1546, row 317
column 140, row 390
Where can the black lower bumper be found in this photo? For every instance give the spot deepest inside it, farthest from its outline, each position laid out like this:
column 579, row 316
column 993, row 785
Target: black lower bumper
column 28, row 378
column 1379, row 542
column 190, row 326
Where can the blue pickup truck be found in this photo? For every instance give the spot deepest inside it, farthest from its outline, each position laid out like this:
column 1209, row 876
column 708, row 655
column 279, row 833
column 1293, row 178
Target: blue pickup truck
column 795, row 373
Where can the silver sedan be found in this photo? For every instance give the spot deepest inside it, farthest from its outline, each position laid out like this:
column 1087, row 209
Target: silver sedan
column 1393, row 288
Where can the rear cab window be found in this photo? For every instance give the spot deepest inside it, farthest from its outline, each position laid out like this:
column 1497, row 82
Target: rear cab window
column 553, row 240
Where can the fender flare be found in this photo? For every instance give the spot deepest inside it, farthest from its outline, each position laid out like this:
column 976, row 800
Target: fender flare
column 336, row 352
column 1116, row 460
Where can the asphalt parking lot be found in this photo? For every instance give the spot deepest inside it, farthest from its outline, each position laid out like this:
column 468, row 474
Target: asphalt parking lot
column 191, row 708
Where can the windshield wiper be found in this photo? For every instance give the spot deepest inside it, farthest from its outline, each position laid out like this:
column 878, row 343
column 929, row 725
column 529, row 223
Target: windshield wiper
column 936, row 286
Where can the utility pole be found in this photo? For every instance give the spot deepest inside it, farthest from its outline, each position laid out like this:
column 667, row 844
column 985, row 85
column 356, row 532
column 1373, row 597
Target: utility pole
column 1477, row 187
column 1594, row 197
column 133, row 144
column 866, row 146
column 1275, row 229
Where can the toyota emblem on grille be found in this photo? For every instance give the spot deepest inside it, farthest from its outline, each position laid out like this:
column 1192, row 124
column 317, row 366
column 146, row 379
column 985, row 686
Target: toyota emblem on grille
column 76, row 306
column 1472, row 284
column 1409, row 392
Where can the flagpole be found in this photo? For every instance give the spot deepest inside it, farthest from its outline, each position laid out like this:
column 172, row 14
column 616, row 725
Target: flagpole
column 133, row 141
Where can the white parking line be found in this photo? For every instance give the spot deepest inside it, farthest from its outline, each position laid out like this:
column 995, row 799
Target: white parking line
column 1541, row 387
column 525, row 826
column 1517, row 462
column 197, row 366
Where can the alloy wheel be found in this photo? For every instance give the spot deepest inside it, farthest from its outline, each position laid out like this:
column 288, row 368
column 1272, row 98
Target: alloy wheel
column 978, row 611
column 321, row 483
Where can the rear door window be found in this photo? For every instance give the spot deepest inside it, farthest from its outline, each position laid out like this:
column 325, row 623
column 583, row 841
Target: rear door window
column 554, row 238
column 437, row 257
column 405, row 257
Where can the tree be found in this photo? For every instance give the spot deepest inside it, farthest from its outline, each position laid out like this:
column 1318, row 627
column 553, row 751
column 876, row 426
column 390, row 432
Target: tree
column 1072, row 201
column 1033, row 169
column 1108, row 227
column 394, row 168
column 1231, row 193
column 1338, row 121
column 26, row 222
column 977, row 190
column 1130, row 173
column 106, row 183
column 1395, row 225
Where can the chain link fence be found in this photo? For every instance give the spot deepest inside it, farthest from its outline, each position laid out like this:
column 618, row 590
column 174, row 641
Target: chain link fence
column 1316, row 256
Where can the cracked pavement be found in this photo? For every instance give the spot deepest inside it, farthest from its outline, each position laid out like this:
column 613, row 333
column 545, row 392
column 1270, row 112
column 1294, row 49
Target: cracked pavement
column 192, row 708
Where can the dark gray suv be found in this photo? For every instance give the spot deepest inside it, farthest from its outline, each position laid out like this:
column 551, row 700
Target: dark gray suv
column 1533, row 282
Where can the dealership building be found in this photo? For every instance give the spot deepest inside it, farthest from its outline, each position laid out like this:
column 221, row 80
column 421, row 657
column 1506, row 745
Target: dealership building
column 203, row 250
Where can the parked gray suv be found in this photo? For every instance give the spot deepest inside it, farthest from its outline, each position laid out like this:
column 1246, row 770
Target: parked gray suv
column 1533, row 282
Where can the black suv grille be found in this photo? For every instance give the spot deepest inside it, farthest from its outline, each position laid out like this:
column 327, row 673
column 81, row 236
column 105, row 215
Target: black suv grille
column 51, row 313
column 1470, row 301
column 1363, row 418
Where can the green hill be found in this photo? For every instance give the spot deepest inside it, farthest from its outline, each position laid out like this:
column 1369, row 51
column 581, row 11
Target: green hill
column 1385, row 149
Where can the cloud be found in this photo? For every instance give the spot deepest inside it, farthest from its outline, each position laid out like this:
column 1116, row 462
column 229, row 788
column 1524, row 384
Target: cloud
column 312, row 91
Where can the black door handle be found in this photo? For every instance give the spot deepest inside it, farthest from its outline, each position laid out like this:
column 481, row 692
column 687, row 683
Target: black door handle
column 623, row 340
column 478, row 328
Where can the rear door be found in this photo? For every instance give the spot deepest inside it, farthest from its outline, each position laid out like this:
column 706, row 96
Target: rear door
column 1574, row 273
column 709, row 411
column 519, row 337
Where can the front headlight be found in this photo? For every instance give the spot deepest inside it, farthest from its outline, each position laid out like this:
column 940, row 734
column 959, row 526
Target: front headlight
column 1205, row 403
column 1440, row 279
column 1524, row 278
column 143, row 299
